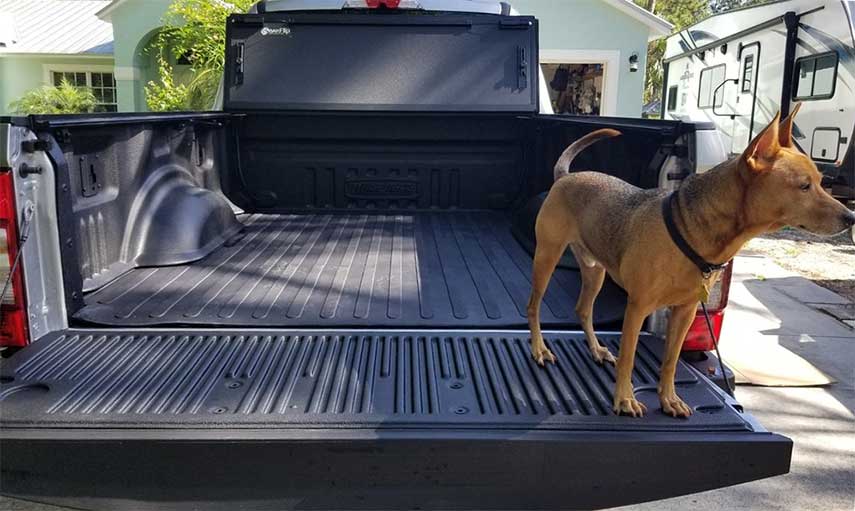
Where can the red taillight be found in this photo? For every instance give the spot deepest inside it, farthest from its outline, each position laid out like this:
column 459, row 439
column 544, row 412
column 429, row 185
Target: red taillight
column 13, row 318
column 390, row 4
column 698, row 338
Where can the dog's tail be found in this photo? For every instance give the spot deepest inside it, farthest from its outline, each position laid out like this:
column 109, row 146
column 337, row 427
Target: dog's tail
column 562, row 166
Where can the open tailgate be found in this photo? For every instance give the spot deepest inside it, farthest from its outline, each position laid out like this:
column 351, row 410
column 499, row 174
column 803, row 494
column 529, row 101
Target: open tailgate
column 356, row 419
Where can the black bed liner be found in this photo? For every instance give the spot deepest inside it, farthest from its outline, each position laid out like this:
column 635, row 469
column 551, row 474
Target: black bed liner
column 356, row 420
column 337, row 269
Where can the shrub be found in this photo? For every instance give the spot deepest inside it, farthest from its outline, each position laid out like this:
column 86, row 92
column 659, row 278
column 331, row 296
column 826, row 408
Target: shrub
column 62, row 99
column 194, row 30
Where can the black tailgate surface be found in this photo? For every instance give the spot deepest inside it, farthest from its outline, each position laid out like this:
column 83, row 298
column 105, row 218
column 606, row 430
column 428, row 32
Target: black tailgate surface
column 227, row 420
column 338, row 380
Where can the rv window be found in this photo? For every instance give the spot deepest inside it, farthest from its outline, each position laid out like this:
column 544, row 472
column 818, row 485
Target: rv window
column 748, row 73
column 804, row 78
column 672, row 98
column 711, row 79
column 816, row 76
column 824, row 75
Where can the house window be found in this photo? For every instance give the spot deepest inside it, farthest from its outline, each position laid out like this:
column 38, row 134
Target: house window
column 672, row 98
column 816, row 76
column 748, row 74
column 103, row 85
column 76, row 79
column 711, row 79
column 104, row 88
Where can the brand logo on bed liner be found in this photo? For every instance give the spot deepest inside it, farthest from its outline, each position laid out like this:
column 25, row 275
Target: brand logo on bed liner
column 381, row 189
column 275, row 31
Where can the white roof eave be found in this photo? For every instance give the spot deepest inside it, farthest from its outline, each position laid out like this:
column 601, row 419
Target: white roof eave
column 107, row 12
column 659, row 28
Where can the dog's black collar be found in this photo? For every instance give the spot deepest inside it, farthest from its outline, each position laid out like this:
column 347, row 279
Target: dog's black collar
column 706, row 267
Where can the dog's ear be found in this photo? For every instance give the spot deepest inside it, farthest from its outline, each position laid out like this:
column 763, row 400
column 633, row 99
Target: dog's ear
column 785, row 131
column 764, row 147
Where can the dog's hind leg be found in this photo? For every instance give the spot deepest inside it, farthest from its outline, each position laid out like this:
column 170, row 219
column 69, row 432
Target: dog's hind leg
column 593, row 275
column 546, row 256
column 678, row 325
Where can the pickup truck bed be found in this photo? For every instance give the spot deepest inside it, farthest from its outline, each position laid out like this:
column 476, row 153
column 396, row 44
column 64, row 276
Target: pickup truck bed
column 358, row 331
column 316, row 297
column 328, row 269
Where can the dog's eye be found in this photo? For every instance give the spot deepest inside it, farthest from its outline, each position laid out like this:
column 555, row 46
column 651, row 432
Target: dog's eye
column 805, row 187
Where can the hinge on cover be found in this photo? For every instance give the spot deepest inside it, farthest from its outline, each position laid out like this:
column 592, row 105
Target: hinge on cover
column 515, row 22
column 239, row 56
column 522, row 68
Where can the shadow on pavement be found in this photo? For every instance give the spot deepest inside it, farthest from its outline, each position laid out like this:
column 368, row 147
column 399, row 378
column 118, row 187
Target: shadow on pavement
column 817, row 337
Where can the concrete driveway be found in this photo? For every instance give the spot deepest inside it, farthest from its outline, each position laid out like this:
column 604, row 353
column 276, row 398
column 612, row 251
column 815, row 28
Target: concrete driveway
column 821, row 421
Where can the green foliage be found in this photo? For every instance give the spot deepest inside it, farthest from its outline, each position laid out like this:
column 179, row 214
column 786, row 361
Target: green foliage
column 64, row 99
column 165, row 95
column 194, row 30
column 681, row 13
column 718, row 6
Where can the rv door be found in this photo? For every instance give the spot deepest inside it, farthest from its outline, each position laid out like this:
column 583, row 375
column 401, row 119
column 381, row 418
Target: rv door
column 745, row 122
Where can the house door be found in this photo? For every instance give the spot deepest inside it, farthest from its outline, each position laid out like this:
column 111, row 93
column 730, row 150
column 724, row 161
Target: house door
column 747, row 118
column 581, row 82
column 575, row 89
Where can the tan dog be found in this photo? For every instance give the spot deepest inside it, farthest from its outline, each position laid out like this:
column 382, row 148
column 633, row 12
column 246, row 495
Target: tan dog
column 612, row 226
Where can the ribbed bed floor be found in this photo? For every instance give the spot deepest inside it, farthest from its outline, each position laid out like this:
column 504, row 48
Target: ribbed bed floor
column 452, row 269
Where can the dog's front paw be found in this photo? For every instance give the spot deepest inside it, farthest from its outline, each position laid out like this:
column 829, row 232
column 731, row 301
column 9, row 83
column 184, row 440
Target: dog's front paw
column 674, row 406
column 601, row 354
column 629, row 406
column 542, row 354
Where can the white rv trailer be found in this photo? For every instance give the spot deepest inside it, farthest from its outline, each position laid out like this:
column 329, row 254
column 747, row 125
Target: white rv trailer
column 739, row 68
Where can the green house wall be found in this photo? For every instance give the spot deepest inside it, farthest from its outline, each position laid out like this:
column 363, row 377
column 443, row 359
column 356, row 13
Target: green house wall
column 136, row 21
column 603, row 28
column 22, row 73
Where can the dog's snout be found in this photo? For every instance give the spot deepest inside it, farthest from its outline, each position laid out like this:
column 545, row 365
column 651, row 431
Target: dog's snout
column 849, row 218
